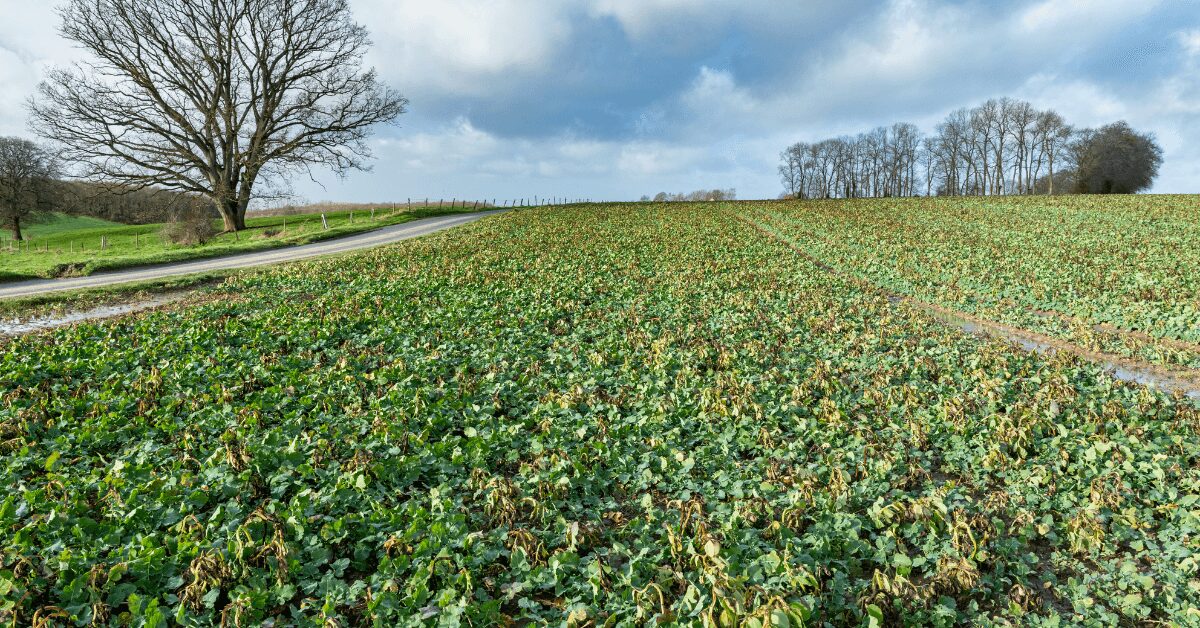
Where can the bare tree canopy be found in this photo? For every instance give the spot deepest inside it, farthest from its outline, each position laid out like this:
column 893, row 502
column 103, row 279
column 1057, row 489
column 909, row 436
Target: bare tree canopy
column 1115, row 160
column 213, row 96
column 882, row 162
column 715, row 194
column 1002, row 146
column 26, row 182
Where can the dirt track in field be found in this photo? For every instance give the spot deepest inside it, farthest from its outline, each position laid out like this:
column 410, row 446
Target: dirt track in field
column 1181, row 380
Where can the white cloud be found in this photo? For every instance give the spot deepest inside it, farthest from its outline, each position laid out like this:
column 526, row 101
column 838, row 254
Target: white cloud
column 1190, row 41
column 18, row 80
column 911, row 40
column 463, row 47
column 1069, row 18
column 829, row 67
column 640, row 18
column 715, row 102
column 691, row 21
column 29, row 43
column 1081, row 102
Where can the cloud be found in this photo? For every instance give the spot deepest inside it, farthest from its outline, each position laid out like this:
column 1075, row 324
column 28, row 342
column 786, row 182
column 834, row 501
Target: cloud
column 616, row 98
column 1072, row 18
column 464, row 47
column 673, row 22
column 1190, row 41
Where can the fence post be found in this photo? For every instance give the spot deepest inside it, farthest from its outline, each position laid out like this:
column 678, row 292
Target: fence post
column 324, row 224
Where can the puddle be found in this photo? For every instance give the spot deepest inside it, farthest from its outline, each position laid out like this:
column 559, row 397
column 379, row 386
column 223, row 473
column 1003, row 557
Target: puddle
column 16, row 327
column 1121, row 371
column 1145, row 378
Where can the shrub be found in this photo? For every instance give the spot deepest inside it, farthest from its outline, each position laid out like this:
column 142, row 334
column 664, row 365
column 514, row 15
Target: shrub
column 190, row 226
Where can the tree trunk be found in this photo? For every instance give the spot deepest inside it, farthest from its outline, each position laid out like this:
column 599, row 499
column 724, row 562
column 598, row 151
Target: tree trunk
column 233, row 214
column 16, row 229
column 1051, row 175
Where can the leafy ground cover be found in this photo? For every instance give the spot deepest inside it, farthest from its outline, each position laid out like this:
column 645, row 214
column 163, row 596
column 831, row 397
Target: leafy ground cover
column 1117, row 275
column 613, row 415
column 71, row 246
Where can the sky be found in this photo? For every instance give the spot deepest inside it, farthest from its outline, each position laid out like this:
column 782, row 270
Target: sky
column 613, row 99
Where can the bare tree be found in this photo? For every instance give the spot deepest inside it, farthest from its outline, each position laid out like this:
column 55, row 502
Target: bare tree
column 697, row 196
column 213, row 96
column 1056, row 135
column 1021, row 116
column 27, row 183
column 999, row 147
column 791, row 170
column 969, row 154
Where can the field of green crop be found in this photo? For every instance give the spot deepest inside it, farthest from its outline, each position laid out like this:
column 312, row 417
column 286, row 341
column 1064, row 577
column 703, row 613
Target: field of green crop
column 1117, row 275
column 615, row 415
column 73, row 245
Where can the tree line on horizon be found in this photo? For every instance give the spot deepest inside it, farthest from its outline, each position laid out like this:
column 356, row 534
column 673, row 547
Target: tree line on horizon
column 716, row 194
column 1003, row 146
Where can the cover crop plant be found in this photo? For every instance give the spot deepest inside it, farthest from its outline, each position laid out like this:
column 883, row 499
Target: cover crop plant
column 612, row 415
column 1116, row 274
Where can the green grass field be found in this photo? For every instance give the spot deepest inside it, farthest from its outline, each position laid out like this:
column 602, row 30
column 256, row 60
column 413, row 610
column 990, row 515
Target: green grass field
column 57, row 224
column 727, row 414
column 71, row 245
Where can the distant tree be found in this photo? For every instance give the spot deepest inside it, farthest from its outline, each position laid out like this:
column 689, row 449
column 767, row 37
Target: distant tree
column 791, row 170
column 1054, row 134
column 696, row 196
column 1115, row 160
column 1063, row 182
column 1002, row 146
column 27, row 182
column 126, row 204
column 213, row 97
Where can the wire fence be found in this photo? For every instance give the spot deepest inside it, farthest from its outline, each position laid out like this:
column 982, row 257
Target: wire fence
column 428, row 202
